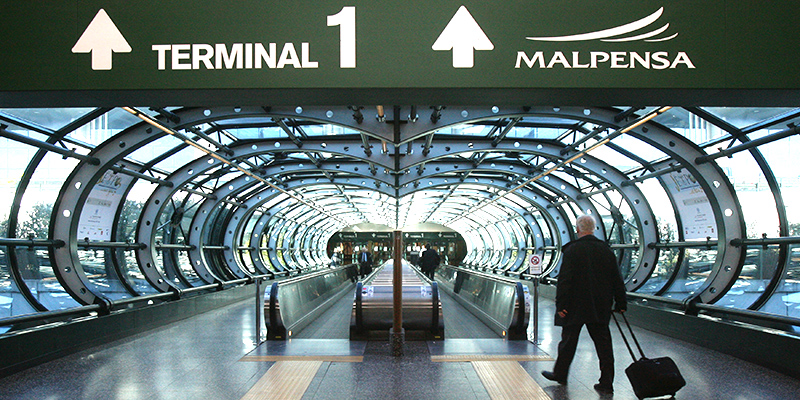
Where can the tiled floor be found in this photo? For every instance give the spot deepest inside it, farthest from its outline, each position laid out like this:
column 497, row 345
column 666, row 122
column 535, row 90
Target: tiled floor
column 205, row 358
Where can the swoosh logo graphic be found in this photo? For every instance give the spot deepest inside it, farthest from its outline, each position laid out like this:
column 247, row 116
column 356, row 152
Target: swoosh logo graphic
column 606, row 35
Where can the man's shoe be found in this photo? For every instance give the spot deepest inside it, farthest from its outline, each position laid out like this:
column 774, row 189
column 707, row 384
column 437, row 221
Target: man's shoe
column 551, row 376
column 602, row 389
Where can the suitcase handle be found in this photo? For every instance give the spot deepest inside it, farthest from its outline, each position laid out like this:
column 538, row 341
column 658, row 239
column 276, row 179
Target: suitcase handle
column 625, row 339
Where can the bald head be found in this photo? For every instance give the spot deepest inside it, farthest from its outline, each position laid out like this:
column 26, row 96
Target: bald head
column 585, row 225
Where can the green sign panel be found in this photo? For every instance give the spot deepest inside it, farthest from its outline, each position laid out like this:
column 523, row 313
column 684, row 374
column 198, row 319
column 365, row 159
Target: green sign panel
column 93, row 45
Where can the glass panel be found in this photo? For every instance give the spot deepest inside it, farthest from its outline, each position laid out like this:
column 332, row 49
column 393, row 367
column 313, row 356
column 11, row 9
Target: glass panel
column 759, row 267
column 132, row 274
column 15, row 157
column 742, row 117
column 638, row 147
column 786, row 300
column 689, row 125
column 694, row 270
column 188, row 271
column 11, row 300
column 101, row 273
column 43, row 283
column 34, row 219
column 756, row 199
column 157, row 148
column 50, row 118
column 667, row 232
column 782, row 158
column 102, row 128
column 535, row 133
column 667, row 261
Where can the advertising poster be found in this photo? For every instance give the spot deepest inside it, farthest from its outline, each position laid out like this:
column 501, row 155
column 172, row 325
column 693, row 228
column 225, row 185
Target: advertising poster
column 696, row 213
column 97, row 217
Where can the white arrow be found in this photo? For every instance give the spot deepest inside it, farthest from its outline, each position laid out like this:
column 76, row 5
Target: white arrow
column 463, row 35
column 102, row 39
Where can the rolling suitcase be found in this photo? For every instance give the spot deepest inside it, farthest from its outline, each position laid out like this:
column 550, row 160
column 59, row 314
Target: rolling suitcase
column 650, row 377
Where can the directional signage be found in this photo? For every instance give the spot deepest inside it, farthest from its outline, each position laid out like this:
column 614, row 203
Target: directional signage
column 102, row 39
column 463, row 36
column 129, row 46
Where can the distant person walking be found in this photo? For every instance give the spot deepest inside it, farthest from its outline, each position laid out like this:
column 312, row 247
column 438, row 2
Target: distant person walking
column 364, row 262
column 589, row 284
column 429, row 261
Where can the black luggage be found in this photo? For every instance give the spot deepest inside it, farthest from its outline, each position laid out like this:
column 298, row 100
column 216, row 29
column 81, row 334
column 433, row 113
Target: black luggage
column 650, row 377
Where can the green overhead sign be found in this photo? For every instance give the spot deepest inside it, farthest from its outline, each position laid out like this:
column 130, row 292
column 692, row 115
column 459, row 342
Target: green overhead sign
column 93, row 45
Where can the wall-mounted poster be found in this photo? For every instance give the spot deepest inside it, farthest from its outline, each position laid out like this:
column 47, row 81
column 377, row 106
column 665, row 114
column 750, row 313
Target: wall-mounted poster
column 695, row 211
column 97, row 217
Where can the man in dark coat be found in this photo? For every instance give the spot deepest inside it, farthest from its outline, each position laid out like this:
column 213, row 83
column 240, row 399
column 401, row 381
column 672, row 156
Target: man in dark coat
column 364, row 262
column 589, row 284
column 429, row 261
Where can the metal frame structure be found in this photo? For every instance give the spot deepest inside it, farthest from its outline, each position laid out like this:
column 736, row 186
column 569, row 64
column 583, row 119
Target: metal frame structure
column 255, row 191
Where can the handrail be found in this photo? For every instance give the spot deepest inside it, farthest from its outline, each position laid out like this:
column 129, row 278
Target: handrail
column 30, row 242
column 140, row 299
column 312, row 275
column 690, row 307
column 658, row 299
column 749, row 314
column 113, row 305
column 46, row 315
column 493, row 277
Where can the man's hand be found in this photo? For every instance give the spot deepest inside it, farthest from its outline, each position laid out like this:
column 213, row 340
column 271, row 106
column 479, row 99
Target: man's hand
column 562, row 313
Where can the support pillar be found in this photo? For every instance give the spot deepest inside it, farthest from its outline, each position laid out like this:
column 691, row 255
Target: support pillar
column 397, row 335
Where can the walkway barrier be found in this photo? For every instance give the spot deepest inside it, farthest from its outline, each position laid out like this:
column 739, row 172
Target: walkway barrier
column 44, row 336
column 372, row 315
column 108, row 306
column 291, row 304
column 497, row 301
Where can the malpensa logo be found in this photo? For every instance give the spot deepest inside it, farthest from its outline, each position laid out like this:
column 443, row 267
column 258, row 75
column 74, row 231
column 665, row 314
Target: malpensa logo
column 639, row 30
column 608, row 35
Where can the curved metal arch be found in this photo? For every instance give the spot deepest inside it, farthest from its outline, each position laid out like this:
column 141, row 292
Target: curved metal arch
column 263, row 226
column 272, row 240
column 152, row 210
column 255, row 241
column 411, row 127
column 722, row 197
column 529, row 194
column 180, row 178
column 635, row 199
column 783, row 228
column 334, row 167
column 289, row 246
column 519, row 234
column 519, row 214
column 555, row 221
column 199, row 225
column 553, row 184
column 302, row 234
column 458, row 115
column 69, row 204
column 285, row 229
column 13, row 214
column 709, row 292
column 540, row 203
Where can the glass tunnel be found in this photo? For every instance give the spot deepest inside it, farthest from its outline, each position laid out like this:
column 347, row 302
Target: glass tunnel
column 112, row 203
